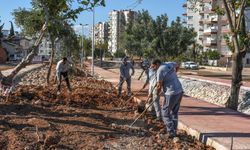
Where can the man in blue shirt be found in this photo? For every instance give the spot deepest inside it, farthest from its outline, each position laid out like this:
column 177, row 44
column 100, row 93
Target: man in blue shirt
column 125, row 76
column 168, row 81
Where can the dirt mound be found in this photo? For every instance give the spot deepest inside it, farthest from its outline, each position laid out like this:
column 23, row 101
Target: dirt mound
column 84, row 94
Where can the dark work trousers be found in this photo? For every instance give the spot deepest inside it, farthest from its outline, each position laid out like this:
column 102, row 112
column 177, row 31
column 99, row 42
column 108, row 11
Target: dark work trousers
column 121, row 81
column 66, row 78
column 170, row 110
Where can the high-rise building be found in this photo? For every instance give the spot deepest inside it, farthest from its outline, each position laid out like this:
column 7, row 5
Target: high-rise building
column 117, row 22
column 211, row 28
column 101, row 32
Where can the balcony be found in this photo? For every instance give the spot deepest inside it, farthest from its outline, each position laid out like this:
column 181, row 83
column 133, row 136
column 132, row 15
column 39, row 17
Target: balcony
column 208, row 11
column 214, row 18
column 184, row 5
column 201, row 29
column 209, row 31
column 211, row 20
column 201, row 37
column 184, row 14
column 211, row 42
column 207, row 1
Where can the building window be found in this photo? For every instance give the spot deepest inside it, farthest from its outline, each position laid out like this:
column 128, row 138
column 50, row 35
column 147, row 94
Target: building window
column 190, row 25
column 248, row 61
column 190, row 17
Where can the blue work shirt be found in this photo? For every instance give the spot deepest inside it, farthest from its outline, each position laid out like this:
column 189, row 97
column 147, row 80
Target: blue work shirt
column 166, row 74
column 124, row 70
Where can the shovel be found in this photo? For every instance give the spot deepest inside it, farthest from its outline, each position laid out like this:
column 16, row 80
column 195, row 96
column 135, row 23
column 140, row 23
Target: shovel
column 145, row 110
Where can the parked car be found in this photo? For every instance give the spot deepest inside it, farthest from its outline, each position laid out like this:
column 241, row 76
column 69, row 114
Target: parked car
column 191, row 65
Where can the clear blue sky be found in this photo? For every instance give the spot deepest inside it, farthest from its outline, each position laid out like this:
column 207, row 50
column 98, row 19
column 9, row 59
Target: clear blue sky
column 172, row 8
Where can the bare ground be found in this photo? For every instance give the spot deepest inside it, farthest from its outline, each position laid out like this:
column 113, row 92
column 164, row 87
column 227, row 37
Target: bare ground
column 35, row 117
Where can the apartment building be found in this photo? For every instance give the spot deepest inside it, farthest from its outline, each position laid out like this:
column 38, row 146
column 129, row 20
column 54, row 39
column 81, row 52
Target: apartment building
column 101, row 32
column 208, row 25
column 211, row 28
column 117, row 22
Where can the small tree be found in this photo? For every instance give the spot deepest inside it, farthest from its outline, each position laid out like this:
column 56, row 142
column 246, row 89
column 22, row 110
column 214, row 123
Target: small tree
column 101, row 49
column 213, row 55
column 12, row 32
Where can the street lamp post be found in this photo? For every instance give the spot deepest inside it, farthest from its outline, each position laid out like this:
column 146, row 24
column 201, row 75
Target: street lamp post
column 82, row 53
column 93, row 42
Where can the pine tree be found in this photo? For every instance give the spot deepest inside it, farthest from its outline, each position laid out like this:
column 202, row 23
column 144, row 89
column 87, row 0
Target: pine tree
column 12, row 32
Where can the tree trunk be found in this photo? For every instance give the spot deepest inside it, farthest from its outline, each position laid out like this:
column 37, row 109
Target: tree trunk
column 31, row 55
column 101, row 57
column 51, row 60
column 26, row 61
column 237, row 67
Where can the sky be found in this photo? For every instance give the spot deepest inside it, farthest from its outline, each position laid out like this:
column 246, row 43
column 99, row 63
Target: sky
column 172, row 8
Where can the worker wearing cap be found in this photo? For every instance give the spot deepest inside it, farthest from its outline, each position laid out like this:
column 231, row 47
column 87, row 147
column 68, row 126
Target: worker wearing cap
column 62, row 68
column 168, row 81
column 125, row 68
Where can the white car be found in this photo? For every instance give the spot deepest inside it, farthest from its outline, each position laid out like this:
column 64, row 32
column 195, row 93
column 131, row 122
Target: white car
column 190, row 65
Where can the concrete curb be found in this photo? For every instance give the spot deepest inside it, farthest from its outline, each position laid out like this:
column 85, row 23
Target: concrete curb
column 210, row 81
column 198, row 135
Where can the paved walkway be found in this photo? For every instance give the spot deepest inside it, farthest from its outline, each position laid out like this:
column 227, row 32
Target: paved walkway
column 212, row 124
